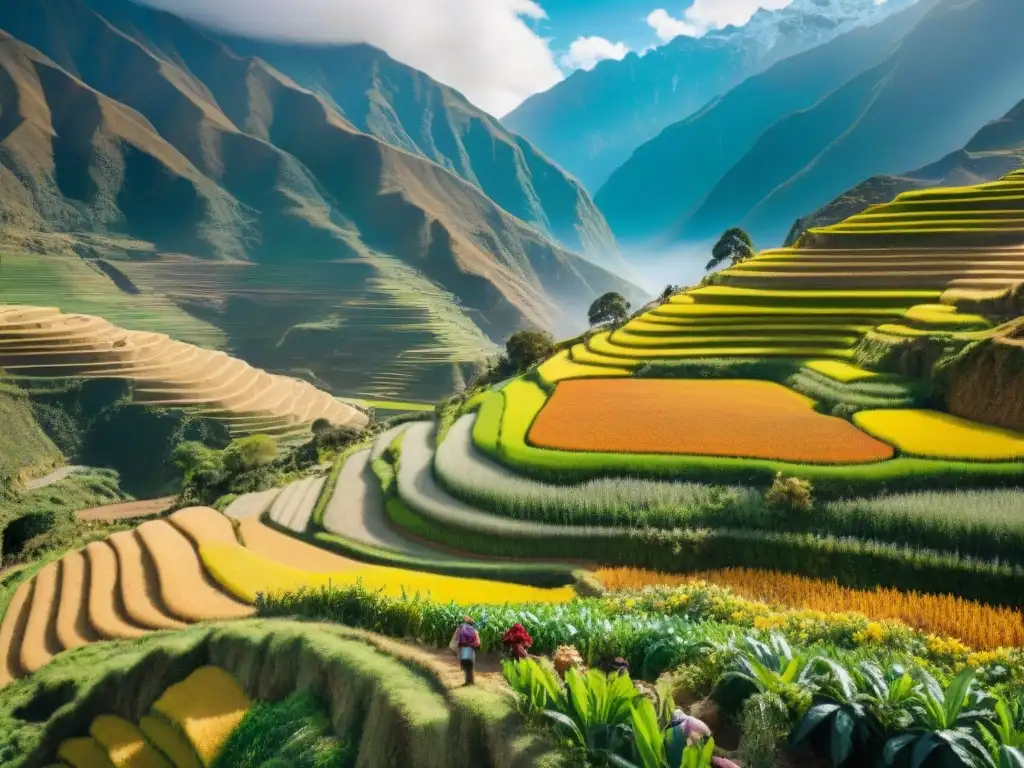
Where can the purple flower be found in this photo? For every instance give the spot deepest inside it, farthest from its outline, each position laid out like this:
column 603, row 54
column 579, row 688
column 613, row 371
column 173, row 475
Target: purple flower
column 721, row 762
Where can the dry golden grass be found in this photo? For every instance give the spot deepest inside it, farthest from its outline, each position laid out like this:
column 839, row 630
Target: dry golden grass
column 207, row 705
column 73, row 628
column 204, row 525
column 39, row 643
column 139, row 584
column 184, row 587
column 105, row 613
column 981, row 626
column 83, row 752
column 11, row 632
column 737, row 418
column 125, row 744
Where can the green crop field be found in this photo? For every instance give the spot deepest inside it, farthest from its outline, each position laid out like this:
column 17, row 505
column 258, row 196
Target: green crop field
column 73, row 286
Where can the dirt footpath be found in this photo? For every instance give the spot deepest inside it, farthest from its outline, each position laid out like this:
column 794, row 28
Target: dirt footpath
column 114, row 512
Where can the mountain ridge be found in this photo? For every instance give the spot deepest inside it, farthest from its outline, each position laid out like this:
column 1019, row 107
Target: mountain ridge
column 993, row 152
column 592, row 121
column 668, row 177
column 296, row 184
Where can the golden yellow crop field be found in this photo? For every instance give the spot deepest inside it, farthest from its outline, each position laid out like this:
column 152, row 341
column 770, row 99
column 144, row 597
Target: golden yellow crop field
column 983, row 627
column 562, row 367
column 207, row 705
column 934, row 434
column 734, row 418
column 839, row 370
column 245, row 574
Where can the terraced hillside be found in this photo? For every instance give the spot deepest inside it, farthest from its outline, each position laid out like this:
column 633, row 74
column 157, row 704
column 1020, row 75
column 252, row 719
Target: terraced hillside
column 43, row 343
column 213, row 189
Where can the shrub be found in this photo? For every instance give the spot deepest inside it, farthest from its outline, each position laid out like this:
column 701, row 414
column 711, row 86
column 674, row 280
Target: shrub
column 764, row 724
column 248, row 453
column 790, row 493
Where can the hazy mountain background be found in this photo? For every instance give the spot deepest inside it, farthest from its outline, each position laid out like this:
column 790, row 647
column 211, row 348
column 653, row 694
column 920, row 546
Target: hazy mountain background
column 995, row 150
column 919, row 86
column 344, row 227
column 592, row 121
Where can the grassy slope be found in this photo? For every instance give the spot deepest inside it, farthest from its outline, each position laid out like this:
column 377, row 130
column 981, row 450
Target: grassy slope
column 391, row 703
column 25, row 448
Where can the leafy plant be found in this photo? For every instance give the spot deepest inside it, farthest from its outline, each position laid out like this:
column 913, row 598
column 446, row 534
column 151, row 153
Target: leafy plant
column 596, row 711
column 538, row 686
column 943, row 732
column 1004, row 737
column 773, row 667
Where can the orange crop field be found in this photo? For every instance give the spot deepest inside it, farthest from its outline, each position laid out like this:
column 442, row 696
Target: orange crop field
column 736, row 418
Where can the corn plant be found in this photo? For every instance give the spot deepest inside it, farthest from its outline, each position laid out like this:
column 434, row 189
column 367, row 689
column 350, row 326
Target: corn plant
column 943, row 731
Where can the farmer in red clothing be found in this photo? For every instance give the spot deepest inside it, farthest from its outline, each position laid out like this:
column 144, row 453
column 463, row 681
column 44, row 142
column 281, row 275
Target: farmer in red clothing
column 465, row 642
column 517, row 642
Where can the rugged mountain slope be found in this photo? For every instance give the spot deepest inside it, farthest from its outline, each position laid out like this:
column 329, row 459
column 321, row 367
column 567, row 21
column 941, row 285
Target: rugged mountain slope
column 669, row 176
column 995, row 150
column 592, row 121
column 960, row 66
column 407, row 109
column 171, row 138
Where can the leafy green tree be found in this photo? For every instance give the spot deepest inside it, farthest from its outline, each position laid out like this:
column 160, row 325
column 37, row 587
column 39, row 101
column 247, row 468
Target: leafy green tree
column 612, row 307
column 200, row 464
column 527, row 348
column 733, row 246
column 248, row 453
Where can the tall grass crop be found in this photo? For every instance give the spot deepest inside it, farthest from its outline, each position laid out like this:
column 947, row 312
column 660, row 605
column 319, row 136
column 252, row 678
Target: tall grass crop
column 980, row 626
column 986, row 524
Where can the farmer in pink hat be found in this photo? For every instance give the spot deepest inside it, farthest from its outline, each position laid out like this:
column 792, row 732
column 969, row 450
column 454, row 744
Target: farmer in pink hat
column 464, row 644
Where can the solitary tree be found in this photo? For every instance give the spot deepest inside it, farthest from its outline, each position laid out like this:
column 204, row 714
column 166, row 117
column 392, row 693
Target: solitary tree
column 526, row 348
column 612, row 307
column 733, row 246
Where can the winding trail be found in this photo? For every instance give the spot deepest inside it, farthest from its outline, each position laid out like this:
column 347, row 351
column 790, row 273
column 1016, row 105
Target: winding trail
column 111, row 513
column 54, row 477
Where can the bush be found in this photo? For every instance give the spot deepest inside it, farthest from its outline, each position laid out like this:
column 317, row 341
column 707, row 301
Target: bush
column 790, row 493
column 765, row 725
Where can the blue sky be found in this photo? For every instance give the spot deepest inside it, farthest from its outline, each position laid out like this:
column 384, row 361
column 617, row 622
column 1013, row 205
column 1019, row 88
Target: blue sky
column 614, row 20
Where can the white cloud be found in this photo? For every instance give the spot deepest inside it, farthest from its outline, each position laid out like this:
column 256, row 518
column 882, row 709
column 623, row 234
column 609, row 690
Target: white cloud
column 484, row 48
column 705, row 15
column 586, row 52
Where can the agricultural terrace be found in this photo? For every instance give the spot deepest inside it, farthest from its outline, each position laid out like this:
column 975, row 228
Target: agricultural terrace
column 815, row 454
column 41, row 343
column 747, row 419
